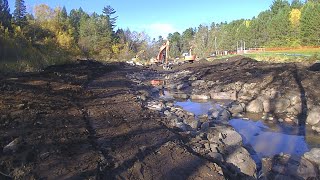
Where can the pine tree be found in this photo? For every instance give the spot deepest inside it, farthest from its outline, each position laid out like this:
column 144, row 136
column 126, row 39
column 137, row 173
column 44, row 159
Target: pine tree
column 5, row 16
column 64, row 14
column 19, row 13
column 296, row 4
column 310, row 15
column 108, row 11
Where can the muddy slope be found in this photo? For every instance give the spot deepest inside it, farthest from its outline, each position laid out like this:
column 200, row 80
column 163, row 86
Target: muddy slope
column 83, row 121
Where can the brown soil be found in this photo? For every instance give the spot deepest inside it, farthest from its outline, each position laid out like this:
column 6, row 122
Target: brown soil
column 84, row 121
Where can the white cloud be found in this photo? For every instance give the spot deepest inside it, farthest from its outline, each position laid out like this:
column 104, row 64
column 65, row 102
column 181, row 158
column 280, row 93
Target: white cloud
column 154, row 30
column 159, row 29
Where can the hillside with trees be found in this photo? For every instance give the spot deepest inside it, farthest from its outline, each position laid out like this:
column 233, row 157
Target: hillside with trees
column 53, row 36
column 283, row 25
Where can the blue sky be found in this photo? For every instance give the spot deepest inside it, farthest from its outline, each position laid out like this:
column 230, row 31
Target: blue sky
column 161, row 17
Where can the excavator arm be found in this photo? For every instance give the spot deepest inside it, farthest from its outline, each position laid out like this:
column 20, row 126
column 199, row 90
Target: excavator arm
column 163, row 54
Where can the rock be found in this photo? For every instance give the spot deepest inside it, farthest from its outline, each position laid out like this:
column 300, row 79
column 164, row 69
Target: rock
column 205, row 126
column 255, row 106
column 214, row 147
column 313, row 116
column 182, row 126
column 216, row 156
column 200, row 97
column 20, row 106
column 198, row 83
column 240, row 158
column 317, row 129
column 154, row 90
column 180, row 96
column 231, row 137
column 215, row 110
column 192, row 122
column 313, row 155
column 12, row 146
column 156, row 106
column 203, row 117
column 280, row 120
column 228, row 95
column 182, row 86
column 210, row 83
column 172, row 86
column 282, row 105
column 192, row 78
column 294, row 97
column 167, row 113
column 223, row 115
column 213, row 135
column 236, row 108
column 288, row 119
column 266, row 105
column 143, row 97
column 288, row 166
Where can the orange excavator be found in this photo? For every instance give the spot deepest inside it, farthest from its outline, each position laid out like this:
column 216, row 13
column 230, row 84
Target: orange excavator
column 163, row 54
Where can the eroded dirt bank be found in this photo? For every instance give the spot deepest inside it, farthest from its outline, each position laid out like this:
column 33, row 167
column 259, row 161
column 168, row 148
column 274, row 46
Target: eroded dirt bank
column 90, row 121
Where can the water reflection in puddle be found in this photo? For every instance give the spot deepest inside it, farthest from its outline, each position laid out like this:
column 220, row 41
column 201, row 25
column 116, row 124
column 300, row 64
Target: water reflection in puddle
column 197, row 108
column 266, row 139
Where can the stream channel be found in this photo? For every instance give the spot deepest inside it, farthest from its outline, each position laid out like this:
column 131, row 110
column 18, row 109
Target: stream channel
column 261, row 138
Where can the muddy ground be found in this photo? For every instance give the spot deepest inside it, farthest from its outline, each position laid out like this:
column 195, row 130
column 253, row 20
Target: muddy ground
column 85, row 121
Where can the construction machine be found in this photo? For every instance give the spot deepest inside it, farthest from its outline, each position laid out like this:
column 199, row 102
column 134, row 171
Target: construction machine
column 163, row 55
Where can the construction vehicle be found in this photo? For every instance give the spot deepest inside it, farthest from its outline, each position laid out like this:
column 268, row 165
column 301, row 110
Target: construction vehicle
column 190, row 57
column 163, row 55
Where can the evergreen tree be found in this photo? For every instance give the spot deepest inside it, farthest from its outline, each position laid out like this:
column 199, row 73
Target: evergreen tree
column 310, row 15
column 108, row 11
column 64, row 14
column 5, row 16
column 296, row 4
column 19, row 13
column 277, row 5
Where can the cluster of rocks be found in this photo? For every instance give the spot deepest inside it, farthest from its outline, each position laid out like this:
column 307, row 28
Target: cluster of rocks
column 262, row 97
column 211, row 135
column 284, row 166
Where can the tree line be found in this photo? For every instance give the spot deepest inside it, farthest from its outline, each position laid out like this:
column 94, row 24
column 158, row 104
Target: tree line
column 284, row 24
column 48, row 36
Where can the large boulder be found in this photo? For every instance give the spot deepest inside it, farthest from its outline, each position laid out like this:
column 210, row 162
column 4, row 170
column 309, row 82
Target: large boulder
column 200, row 97
column 240, row 159
column 313, row 156
column 255, row 106
column 281, row 105
column 230, row 137
column 180, row 96
column 314, row 116
column 236, row 108
column 228, row 95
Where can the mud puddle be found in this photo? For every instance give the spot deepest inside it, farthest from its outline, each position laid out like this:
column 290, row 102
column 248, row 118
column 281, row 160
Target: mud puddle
column 262, row 138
